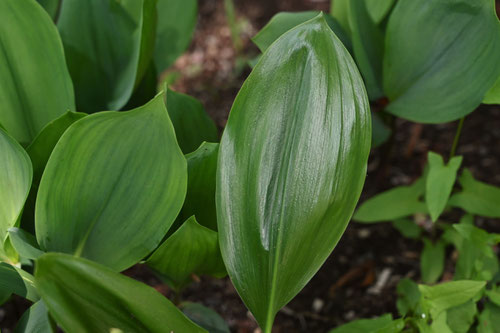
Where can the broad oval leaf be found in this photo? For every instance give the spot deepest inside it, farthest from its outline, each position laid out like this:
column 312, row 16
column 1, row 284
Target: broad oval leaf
column 15, row 183
column 191, row 249
column 35, row 87
column 441, row 57
column 84, row 296
column 107, row 44
column 112, row 187
column 292, row 163
column 176, row 23
column 192, row 124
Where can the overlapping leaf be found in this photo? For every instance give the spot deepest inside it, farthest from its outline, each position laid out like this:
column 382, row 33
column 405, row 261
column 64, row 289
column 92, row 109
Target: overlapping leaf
column 112, row 187
column 296, row 181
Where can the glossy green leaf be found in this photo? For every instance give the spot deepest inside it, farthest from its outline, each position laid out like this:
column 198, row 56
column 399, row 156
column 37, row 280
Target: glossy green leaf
column 191, row 249
column 35, row 320
column 439, row 182
column 15, row 182
column 368, row 46
column 298, row 180
column 432, row 261
column 378, row 9
column 105, row 43
column 441, row 57
column 460, row 318
column 24, row 243
column 83, row 296
column 200, row 196
column 407, row 227
column 393, row 204
column 112, row 187
column 176, row 23
column 51, row 6
column 17, row 281
column 447, row 295
column 493, row 95
column 382, row 324
column 284, row 21
column 205, row 317
column 477, row 197
column 35, row 87
column 192, row 124
column 39, row 151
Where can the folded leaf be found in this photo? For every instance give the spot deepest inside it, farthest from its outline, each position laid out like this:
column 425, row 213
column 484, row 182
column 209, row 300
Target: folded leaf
column 439, row 183
column 477, row 197
column 112, row 187
column 24, row 243
column 393, row 204
column 83, row 296
column 17, row 281
column 35, row 87
column 432, row 261
column 192, row 124
column 176, row 24
column 292, row 163
column 105, row 43
column 15, row 182
column 35, row 320
column 441, row 57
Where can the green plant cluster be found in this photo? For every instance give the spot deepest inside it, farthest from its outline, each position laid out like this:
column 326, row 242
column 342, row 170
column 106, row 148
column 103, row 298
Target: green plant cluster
column 86, row 193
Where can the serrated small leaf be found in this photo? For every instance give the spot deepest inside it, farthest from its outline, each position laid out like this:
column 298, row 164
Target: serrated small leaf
column 17, row 281
column 439, row 182
column 476, row 197
column 191, row 249
column 432, row 261
column 24, row 243
column 292, row 163
column 35, row 320
column 192, row 124
column 112, row 187
column 83, row 296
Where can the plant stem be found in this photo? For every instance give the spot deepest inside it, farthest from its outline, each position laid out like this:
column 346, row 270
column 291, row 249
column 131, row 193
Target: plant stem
column 457, row 137
column 231, row 20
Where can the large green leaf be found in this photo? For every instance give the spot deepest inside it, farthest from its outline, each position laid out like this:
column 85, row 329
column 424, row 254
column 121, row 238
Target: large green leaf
column 35, row 86
column 15, row 182
column 284, row 21
column 17, row 281
column 83, row 296
column 292, row 163
column 477, row 197
column 441, row 57
column 200, row 196
column 393, row 204
column 439, row 182
column 192, row 124
column 35, row 320
column 112, row 187
column 192, row 249
column 176, row 23
column 107, row 44
column 493, row 95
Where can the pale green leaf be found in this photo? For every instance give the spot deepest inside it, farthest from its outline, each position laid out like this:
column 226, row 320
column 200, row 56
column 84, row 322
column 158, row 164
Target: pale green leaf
column 112, row 187
column 83, row 296
column 35, row 87
column 440, row 58
column 292, row 163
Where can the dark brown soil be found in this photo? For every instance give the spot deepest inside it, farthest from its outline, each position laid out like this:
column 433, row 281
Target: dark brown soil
column 345, row 287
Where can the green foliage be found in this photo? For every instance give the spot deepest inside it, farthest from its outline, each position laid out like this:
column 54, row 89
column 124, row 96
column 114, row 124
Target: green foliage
column 205, row 317
column 432, row 261
column 17, row 281
column 24, row 243
column 493, row 95
column 35, row 320
column 382, row 324
column 282, row 187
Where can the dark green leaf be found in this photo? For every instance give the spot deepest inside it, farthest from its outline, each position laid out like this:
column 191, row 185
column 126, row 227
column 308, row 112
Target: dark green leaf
column 407, row 228
column 439, row 182
column 176, row 23
column 35, row 320
column 24, row 243
column 192, row 124
column 83, row 296
column 112, row 187
column 51, row 6
column 15, row 182
column 284, row 21
column 292, row 163
column 493, row 95
column 192, row 249
column 477, row 197
column 105, row 43
column 432, row 261
column 35, row 87
column 441, row 57
column 200, row 196
column 205, row 317
column 375, row 325
column 393, row 204
column 15, row 280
